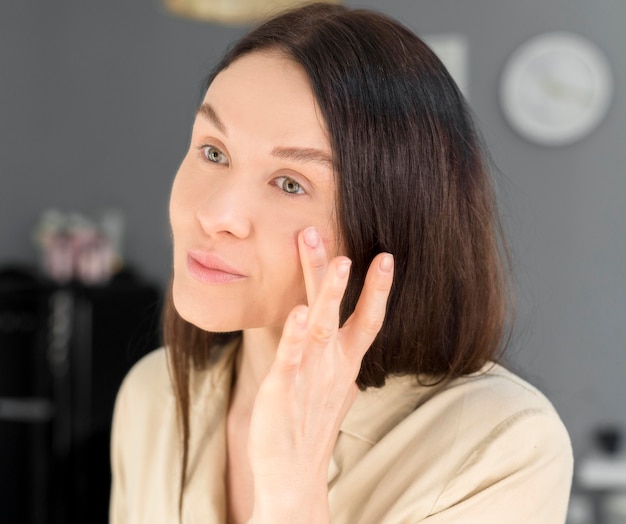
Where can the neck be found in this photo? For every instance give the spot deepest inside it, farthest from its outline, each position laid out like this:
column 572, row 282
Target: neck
column 256, row 355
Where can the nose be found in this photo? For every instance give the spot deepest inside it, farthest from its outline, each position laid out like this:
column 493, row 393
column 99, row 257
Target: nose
column 226, row 211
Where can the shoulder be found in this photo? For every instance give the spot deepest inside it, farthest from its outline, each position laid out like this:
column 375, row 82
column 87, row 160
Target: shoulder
column 509, row 441
column 473, row 405
column 495, row 394
column 151, row 366
column 145, row 443
column 480, row 446
column 150, row 376
column 495, row 407
column 495, row 417
column 145, row 397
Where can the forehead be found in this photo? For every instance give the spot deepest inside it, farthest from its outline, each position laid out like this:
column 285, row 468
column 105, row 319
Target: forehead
column 260, row 69
column 266, row 90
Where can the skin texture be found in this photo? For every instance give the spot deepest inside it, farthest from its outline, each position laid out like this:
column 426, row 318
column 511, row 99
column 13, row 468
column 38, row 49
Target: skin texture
column 253, row 204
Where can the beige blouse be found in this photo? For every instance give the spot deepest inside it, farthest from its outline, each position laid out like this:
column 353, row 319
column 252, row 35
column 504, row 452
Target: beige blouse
column 486, row 448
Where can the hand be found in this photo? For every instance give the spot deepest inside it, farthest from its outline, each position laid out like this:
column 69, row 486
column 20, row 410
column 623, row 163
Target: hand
column 311, row 385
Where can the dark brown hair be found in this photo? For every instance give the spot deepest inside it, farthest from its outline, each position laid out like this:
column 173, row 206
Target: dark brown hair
column 411, row 180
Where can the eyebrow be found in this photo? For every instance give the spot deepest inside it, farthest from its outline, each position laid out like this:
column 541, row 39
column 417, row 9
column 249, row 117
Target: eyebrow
column 303, row 154
column 207, row 111
column 296, row 154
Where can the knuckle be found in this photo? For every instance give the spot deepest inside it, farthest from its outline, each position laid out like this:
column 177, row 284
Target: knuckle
column 321, row 333
column 287, row 359
column 291, row 338
column 371, row 324
column 318, row 262
column 288, row 363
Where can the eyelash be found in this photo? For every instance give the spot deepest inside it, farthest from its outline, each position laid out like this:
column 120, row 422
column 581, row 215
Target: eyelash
column 280, row 181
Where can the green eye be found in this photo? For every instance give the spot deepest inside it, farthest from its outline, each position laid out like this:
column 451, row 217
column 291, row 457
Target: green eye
column 289, row 185
column 213, row 154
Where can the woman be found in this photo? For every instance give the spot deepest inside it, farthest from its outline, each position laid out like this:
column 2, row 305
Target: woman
column 338, row 301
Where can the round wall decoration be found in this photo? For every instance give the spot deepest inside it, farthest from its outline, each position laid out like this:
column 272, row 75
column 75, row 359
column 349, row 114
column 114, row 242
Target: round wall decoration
column 556, row 88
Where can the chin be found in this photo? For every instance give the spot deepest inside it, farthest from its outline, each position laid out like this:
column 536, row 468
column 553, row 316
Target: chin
column 218, row 315
column 203, row 317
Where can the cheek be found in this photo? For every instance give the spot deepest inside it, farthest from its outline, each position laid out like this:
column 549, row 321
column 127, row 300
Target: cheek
column 290, row 256
column 288, row 273
column 283, row 263
column 174, row 202
column 181, row 204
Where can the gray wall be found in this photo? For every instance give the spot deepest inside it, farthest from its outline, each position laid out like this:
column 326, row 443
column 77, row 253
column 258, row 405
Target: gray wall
column 96, row 101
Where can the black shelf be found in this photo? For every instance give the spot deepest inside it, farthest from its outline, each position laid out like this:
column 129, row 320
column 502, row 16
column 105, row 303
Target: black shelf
column 64, row 351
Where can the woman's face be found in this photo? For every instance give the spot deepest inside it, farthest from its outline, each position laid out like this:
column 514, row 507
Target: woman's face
column 257, row 172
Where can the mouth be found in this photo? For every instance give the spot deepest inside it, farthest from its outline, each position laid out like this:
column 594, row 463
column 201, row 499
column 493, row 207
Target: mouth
column 210, row 269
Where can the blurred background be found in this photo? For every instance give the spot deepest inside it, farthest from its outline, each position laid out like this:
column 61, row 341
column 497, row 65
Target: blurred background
column 96, row 104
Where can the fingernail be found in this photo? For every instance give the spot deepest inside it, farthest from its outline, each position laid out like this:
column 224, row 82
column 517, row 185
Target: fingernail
column 311, row 238
column 386, row 263
column 343, row 268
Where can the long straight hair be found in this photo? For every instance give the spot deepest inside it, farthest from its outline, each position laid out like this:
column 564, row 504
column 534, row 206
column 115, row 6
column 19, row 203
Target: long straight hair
column 411, row 180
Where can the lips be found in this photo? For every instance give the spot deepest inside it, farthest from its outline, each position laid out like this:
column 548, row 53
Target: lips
column 210, row 269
